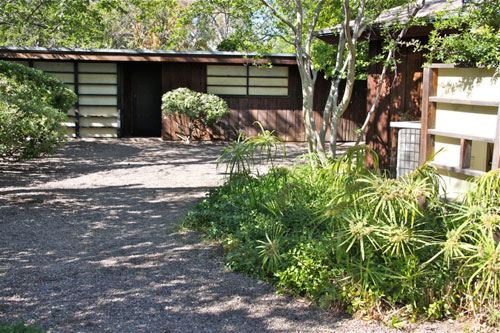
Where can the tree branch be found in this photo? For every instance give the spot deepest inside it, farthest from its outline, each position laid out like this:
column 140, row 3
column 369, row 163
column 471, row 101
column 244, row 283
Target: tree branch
column 313, row 24
column 279, row 16
column 390, row 55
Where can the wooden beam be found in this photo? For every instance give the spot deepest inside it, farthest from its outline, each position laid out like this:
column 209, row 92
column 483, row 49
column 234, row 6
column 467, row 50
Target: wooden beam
column 460, row 136
column 440, row 66
column 496, row 148
column 468, row 172
column 213, row 59
column 463, row 101
column 428, row 114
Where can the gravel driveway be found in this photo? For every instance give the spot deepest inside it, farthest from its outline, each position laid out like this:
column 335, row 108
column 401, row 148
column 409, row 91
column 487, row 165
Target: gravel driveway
column 89, row 242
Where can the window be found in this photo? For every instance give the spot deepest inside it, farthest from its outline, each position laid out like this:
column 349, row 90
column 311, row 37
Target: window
column 247, row 80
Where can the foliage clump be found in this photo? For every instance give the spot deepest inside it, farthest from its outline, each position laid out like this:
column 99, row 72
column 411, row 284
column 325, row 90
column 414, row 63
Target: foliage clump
column 474, row 37
column 348, row 237
column 202, row 110
column 20, row 328
column 32, row 106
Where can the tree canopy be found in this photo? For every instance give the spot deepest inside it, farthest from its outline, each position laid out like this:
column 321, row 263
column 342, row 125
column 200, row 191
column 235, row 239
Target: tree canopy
column 474, row 39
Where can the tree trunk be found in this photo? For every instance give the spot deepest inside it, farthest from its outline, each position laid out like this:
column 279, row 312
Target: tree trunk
column 307, row 112
column 333, row 138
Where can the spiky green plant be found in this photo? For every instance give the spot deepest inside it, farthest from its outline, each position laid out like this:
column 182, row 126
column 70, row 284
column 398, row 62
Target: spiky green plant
column 485, row 264
column 265, row 147
column 237, row 158
column 242, row 155
column 270, row 248
column 354, row 158
column 358, row 228
column 401, row 233
column 487, row 190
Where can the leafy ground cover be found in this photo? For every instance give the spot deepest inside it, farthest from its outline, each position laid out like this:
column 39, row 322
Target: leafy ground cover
column 20, row 328
column 352, row 238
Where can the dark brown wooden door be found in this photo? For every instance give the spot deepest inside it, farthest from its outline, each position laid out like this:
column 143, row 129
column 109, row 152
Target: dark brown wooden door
column 146, row 99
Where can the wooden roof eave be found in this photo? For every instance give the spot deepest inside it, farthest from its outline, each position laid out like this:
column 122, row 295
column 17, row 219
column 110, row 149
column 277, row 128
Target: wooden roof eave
column 374, row 34
column 185, row 58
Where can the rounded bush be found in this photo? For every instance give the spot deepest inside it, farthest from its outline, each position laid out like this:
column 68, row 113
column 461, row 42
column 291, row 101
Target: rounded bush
column 205, row 109
column 33, row 106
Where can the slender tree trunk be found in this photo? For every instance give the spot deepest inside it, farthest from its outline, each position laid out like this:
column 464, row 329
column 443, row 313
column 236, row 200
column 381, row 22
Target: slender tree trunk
column 333, row 138
column 339, row 109
column 308, row 114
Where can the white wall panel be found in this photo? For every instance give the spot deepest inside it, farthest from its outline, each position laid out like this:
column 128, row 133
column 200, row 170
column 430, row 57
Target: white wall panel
column 226, row 70
column 98, row 110
column 97, row 78
column 98, row 100
column 97, row 89
column 54, row 66
column 93, row 67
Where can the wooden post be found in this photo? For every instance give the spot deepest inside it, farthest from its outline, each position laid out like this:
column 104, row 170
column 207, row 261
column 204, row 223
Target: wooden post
column 496, row 149
column 77, row 103
column 119, row 96
column 428, row 113
column 465, row 153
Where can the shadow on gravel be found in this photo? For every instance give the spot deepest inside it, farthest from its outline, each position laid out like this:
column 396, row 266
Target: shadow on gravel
column 85, row 157
column 77, row 254
column 88, row 266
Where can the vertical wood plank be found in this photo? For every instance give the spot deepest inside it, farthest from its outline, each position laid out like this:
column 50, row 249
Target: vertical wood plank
column 496, row 147
column 428, row 114
column 290, row 133
column 298, row 129
column 465, row 153
column 271, row 119
column 262, row 118
column 281, row 124
column 254, row 116
column 413, row 90
column 77, row 103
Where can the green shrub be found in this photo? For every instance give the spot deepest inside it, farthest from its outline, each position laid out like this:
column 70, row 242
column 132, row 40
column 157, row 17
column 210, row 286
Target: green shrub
column 343, row 235
column 201, row 109
column 20, row 328
column 32, row 106
column 476, row 42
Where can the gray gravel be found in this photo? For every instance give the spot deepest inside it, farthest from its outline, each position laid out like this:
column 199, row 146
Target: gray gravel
column 89, row 242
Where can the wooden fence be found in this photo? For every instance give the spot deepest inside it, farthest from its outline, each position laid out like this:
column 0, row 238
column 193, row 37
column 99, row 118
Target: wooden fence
column 461, row 123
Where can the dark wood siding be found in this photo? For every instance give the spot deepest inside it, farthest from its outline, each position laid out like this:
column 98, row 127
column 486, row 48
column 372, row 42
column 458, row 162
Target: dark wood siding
column 400, row 99
column 280, row 114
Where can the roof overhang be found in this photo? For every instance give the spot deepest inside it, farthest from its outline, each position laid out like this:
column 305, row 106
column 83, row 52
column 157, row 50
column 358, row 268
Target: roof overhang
column 400, row 14
column 39, row 53
column 375, row 34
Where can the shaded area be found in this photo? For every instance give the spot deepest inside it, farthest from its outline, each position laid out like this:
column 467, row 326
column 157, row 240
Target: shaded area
column 90, row 242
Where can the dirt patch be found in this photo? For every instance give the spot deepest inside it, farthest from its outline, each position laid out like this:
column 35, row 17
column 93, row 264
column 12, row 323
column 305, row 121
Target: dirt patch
column 89, row 242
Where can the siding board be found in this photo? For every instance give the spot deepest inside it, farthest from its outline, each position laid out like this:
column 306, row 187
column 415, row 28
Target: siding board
column 281, row 114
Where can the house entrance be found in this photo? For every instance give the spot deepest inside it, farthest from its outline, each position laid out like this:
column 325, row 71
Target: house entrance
column 143, row 90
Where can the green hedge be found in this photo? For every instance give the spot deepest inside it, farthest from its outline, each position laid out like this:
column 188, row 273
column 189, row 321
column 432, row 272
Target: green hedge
column 341, row 235
column 32, row 106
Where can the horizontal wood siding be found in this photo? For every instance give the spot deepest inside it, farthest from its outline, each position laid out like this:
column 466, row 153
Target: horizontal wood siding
column 283, row 115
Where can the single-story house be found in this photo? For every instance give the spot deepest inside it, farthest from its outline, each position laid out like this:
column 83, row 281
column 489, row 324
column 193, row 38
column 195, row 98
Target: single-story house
column 401, row 97
column 119, row 91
